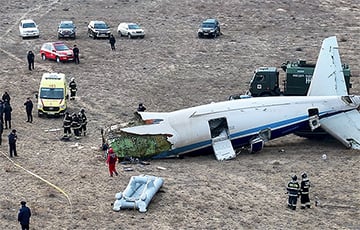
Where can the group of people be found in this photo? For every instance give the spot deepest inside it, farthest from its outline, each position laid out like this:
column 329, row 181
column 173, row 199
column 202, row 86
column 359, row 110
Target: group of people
column 75, row 122
column 294, row 190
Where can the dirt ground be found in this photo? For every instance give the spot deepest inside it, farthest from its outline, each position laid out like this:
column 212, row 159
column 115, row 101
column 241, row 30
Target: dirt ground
column 168, row 70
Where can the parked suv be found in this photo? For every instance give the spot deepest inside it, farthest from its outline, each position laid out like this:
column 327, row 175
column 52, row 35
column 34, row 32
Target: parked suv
column 132, row 30
column 28, row 28
column 97, row 29
column 66, row 29
column 209, row 28
column 57, row 51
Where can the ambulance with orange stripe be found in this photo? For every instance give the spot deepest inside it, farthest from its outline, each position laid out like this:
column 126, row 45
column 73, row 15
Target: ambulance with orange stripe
column 53, row 95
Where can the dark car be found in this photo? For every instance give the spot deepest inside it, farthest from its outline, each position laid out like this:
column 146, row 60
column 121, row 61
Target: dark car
column 209, row 28
column 66, row 29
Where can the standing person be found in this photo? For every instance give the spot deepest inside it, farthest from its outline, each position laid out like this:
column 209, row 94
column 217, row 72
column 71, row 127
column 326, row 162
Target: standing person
column 141, row 108
column 83, row 121
column 75, row 125
column 76, row 52
column 1, row 131
column 73, row 89
column 67, row 125
column 7, row 112
column 31, row 59
column 293, row 188
column 12, row 143
column 2, row 111
column 6, row 97
column 304, row 188
column 112, row 41
column 24, row 216
column 111, row 161
column 29, row 106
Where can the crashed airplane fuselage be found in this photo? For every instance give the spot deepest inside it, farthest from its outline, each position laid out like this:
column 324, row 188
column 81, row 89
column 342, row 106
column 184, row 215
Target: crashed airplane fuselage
column 224, row 126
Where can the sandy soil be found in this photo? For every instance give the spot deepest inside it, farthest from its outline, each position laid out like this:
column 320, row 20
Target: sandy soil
column 171, row 69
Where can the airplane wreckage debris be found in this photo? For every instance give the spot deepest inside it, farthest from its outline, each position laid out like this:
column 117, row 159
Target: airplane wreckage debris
column 136, row 146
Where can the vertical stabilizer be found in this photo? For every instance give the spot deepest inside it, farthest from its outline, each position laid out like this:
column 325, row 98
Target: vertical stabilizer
column 328, row 78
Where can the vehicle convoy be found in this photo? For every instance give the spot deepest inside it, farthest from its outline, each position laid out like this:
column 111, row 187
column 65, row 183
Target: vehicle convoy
column 53, row 95
column 265, row 81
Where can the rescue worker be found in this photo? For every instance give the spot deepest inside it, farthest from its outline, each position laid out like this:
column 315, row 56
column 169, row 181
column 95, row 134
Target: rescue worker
column 12, row 143
column 67, row 125
column 76, row 54
column 304, row 188
column 83, row 121
column 111, row 161
column 293, row 189
column 73, row 89
column 2, row 111
column 141, row 108
column 31, row 59
column 75, row 125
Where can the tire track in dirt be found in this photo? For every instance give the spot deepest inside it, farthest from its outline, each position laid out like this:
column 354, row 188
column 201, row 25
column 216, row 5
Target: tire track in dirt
column 38, row 11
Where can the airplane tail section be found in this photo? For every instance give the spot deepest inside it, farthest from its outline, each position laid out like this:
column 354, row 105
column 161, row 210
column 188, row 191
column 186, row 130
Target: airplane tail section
column 328, row 78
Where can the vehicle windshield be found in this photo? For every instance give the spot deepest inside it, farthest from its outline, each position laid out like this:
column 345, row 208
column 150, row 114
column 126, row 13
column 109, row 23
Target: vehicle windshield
column 134, row 27
column 208, row 25
column 29, row 25
column 52, row 93
column 66, row 26
column 100, row 26
column 61, row 47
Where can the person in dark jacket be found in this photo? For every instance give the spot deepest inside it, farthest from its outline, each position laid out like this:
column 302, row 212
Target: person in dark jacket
column 304, row 188
column 1, row 131
column 112, row 42
column 31, row 59
column 73, row 89
column 24, row 216
column 7, row 113
column 29, row 106
column 67, row 125
column 2, row 111
column 76, row 125
column 83, row 121
column 293, row 189
column 141, row 108
column 6, row 97
column 12, row 143
column 76, row 52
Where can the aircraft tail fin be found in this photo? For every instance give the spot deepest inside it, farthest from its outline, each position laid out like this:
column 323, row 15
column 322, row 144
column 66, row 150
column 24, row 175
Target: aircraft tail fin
column 328, row 78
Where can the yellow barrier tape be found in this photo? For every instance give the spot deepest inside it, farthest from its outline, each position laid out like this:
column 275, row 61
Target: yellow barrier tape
column 39, row 177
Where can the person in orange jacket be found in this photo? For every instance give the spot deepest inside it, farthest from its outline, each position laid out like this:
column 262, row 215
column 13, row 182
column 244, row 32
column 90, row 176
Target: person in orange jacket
column 111, row 161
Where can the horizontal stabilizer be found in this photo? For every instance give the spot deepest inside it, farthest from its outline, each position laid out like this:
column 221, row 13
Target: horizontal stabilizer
column 345, row 127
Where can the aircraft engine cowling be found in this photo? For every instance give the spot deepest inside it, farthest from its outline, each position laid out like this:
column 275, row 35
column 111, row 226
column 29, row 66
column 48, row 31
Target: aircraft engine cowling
column 256, row 144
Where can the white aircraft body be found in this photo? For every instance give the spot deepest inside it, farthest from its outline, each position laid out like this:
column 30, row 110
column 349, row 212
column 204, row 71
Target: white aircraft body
column 224, row 126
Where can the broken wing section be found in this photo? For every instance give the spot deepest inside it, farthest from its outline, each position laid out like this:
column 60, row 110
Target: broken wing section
column 143, row 141
column 345, row 127
column 328, row 78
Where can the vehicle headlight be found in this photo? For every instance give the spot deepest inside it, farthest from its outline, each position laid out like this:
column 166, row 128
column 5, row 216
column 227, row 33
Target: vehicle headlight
column 200, row 30
column 40, row 106
column 63, row 106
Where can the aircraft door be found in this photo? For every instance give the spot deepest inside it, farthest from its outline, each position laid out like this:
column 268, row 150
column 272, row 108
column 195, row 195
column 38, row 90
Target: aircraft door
column 221, row 143
column 314, row 121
